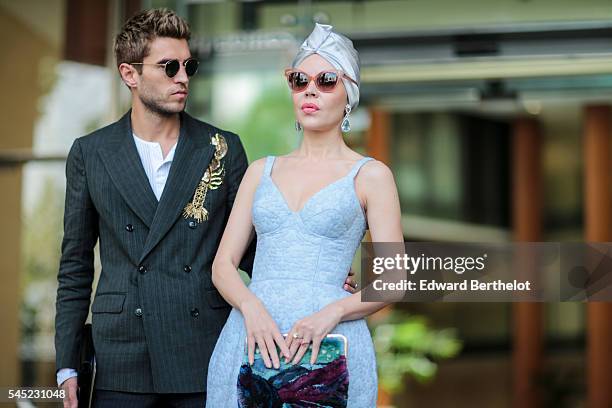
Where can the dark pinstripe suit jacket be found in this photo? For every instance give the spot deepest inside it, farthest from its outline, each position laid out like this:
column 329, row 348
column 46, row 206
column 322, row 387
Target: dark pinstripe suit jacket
column 156, row 313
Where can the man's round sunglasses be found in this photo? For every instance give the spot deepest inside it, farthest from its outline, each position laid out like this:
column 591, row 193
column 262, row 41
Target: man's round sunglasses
column 325, row 81
column 172, row 67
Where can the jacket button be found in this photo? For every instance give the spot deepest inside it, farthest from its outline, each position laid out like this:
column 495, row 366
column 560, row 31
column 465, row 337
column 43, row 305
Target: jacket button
column 187, row 268
column 138, row 312
column 129, row 228
column 195, row 312
column 193, row 224
column 142, row 269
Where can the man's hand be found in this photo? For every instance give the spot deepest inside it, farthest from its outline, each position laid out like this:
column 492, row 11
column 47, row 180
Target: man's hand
column 70, row 388
column 350, row 284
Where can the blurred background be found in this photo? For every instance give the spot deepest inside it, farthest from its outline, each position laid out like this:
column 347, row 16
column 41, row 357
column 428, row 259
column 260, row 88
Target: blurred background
column 494, row 116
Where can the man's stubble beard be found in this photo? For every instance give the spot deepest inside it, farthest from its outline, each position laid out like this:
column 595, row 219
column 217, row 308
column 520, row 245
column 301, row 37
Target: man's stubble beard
column 155, row 106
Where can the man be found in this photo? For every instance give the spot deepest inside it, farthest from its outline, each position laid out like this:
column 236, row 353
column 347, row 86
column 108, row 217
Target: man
column 156, row 188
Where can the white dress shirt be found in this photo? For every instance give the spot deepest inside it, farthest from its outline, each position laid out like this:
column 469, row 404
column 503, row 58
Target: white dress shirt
column 155, row 165
column 157, row 169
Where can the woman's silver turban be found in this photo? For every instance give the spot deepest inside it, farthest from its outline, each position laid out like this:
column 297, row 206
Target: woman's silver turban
column 338, row 50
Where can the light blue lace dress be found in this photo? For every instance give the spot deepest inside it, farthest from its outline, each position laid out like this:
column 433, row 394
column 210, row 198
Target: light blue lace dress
column 301, row 262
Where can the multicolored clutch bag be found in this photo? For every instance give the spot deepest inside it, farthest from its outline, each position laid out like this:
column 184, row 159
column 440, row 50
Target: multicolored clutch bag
column 323, row 384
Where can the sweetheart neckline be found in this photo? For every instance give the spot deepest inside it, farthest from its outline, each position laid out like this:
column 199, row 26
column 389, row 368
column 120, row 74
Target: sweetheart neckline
column 286, row 203
column 284, row 199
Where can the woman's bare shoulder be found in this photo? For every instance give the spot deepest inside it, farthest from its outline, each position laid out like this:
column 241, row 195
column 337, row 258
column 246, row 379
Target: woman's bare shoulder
column 254, row 172
column 258, row 165
column 376, row 171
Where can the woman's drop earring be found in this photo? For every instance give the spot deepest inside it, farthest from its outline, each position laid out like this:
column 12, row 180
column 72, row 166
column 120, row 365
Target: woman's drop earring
column 346, row 125
column 298, row 127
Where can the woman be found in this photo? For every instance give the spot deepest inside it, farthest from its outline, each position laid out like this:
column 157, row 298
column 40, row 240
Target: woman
column 310, row 209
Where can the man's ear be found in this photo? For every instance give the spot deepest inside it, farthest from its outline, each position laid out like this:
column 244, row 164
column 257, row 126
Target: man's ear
column 129, row 75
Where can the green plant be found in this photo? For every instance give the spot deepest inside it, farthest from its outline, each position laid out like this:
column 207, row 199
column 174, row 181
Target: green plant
column 407, row 346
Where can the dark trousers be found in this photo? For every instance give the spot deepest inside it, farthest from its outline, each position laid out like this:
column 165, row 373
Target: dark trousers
column 118, row 399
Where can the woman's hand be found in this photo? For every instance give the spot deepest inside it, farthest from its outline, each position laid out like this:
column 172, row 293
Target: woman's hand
column 312, row 329
column 262, row 332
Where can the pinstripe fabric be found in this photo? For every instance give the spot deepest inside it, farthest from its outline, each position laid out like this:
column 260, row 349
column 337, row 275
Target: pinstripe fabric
column 108, row 197
column 115, row 399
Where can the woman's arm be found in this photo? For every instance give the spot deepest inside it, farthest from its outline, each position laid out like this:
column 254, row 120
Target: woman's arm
column 376, row 189
column 236, row 238
column 261, row 328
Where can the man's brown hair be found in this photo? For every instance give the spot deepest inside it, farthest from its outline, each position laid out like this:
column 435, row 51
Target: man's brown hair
column 132, row 43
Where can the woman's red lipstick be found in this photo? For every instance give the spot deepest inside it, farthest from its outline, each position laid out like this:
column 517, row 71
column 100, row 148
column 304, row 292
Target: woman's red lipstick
column 309, row 108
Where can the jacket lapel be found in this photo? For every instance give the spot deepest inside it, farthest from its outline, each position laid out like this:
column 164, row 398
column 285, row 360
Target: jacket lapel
column 123, row 164
column 192, row 155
